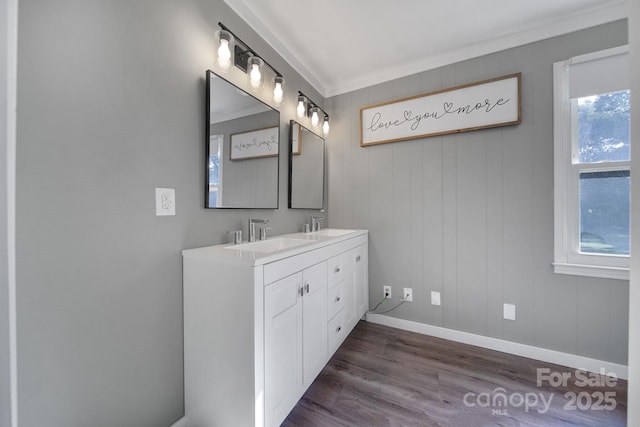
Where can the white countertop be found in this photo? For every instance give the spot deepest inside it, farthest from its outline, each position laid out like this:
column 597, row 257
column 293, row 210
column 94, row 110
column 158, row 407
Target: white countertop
column 246, row 255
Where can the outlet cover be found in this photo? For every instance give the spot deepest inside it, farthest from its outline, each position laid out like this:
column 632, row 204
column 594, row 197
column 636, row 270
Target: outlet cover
column 509, row 311
column 165, row 201
column 407, row 293
column 435, row 298
column 386, row 290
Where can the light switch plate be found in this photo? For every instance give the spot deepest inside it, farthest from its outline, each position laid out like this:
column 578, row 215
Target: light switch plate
column 435, row 298
column 509, row 311
column 165, row 201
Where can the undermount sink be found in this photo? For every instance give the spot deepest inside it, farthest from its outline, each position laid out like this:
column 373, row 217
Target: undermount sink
column 332, row 232
column 270, row 245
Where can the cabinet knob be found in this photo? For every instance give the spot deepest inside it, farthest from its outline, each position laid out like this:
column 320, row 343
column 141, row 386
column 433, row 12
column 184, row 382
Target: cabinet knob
column 358, row 258
column 337, row 299
column 300, row 290
column 306, row 287
column 337, row 269
column 338, row 329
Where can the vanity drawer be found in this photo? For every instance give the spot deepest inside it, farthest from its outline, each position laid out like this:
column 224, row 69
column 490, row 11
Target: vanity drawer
column 335, row 273
column 337, row 332
column 335, row 302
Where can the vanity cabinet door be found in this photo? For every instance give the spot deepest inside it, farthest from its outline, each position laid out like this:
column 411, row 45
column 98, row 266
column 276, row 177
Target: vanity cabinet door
column 295, row 338
column 314, row 321
column 361, row 282
column 283, row 346
column 348, row 290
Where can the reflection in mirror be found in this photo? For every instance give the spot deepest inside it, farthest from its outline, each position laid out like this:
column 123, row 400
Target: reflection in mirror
column 243, row 136
column 306, row 168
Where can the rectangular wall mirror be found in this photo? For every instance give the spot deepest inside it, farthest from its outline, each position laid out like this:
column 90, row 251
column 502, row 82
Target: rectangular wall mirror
column 306, row 168
column 243, row 139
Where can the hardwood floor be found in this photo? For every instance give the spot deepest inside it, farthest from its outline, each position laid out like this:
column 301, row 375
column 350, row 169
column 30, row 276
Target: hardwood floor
column 383, row 376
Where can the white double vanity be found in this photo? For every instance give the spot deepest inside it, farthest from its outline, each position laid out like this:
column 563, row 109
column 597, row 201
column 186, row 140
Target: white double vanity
column 262, row 319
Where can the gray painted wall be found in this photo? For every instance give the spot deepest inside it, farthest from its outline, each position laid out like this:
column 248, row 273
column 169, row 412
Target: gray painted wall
column 111, row 104
column 471, row 215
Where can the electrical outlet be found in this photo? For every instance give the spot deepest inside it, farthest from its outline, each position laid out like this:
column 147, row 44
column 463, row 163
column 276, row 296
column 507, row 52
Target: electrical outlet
column 509, row 311
column 165, row 201
column 386, row 291
column 435, row 298
column 408, row 294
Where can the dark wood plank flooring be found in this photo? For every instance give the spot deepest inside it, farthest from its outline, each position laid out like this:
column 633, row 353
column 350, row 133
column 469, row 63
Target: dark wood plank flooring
column 384, row 376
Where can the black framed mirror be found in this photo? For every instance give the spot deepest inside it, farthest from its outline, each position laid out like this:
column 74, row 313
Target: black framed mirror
column 242, row 148
column 306, row 168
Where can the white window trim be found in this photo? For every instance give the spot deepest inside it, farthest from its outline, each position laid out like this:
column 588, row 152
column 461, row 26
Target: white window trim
column 567, row 258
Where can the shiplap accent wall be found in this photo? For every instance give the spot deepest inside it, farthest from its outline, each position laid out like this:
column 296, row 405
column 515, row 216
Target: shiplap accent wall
column 471, row 215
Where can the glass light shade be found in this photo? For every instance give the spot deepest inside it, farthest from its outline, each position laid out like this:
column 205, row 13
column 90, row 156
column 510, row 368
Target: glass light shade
column 278, row 93
column 224, row 56
column 301, row 107
column 314, row 116
column 325, row 125
column 255, row 72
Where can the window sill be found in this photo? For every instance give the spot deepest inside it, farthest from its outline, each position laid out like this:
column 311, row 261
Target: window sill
column 602, row 272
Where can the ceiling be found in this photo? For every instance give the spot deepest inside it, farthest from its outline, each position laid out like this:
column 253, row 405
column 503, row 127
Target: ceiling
column 340, row 45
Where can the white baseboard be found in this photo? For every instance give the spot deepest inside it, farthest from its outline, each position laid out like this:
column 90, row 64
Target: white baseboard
column 182, row 422
column 524, row 350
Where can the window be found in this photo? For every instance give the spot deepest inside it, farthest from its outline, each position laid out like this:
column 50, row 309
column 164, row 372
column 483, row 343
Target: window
column 592, row 165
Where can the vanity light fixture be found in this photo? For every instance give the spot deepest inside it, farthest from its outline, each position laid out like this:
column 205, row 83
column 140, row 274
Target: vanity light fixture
column 254, row 71
column 325, row 125
column 306, row 107
column 302, row 107
column 278, row 93
column 224, row 42
column 314, row 116
column 233, row 51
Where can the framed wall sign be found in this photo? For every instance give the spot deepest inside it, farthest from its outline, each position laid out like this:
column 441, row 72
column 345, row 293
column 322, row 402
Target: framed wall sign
column 480, row 105
column 255, row 143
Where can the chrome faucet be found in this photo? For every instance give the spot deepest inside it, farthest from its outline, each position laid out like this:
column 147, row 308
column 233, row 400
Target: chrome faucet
column 252, row 228
column 315, row 222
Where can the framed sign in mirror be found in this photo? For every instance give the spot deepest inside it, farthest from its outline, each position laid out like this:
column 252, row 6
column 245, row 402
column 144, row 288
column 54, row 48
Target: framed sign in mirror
column 242, row 147
column 254, row 144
